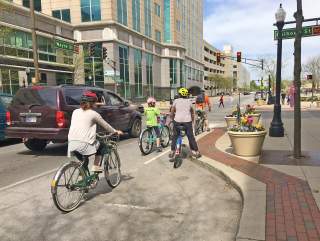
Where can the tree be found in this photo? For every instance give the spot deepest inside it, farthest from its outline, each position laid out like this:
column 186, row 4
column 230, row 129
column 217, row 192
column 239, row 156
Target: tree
column 5, row 7
column 313, row 67
column 78, row 71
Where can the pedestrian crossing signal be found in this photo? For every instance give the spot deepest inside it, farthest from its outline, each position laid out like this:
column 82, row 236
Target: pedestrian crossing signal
column 92, row 49
column 104, row 53
column 239, row 57
column 218, row 58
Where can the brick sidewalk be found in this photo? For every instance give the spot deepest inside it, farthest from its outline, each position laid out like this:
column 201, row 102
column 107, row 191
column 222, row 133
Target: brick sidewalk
column 292, row 213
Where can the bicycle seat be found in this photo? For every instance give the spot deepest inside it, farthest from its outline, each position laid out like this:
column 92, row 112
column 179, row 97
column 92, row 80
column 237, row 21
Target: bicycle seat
column 79, row 156
column 181, row 128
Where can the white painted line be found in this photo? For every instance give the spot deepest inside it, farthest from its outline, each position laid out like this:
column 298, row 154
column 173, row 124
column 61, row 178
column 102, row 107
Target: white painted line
column 156, row 157
column 28, row 179
column 127, row 206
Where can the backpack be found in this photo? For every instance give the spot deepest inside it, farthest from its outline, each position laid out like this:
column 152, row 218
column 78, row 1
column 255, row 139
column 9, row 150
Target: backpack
column 200, row 99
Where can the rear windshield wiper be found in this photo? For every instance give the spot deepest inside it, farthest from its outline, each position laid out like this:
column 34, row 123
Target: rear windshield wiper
column 32, row 105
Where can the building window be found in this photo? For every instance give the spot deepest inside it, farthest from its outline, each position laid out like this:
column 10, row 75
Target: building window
column 182, row 77
column 122, row 12
column 95, row 77
column 136, row 15
column 173, row 71
column 158, row 35
column 167, row 24
column 147, row 17
column 37, row 4
column 9, row 80
column 63, row 14
column 64, row 78
column 149, row 63
column 178, row 25
column 157, row 9
column 124, row 71
column 90, row 10
column 138, row 73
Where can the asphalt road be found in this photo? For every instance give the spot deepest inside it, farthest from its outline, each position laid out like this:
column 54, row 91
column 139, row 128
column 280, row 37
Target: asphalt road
column 153, row 202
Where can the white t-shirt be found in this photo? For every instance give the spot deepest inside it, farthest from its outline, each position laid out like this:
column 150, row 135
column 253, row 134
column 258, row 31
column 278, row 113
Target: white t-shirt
column 183, row 110
column 84, row 126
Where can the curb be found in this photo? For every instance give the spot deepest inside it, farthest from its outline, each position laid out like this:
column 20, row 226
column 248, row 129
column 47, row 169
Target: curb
column 252, row 225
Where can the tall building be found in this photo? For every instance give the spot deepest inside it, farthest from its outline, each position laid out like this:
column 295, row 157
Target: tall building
column 228, row 67
column 153, row 44
column 55, row 49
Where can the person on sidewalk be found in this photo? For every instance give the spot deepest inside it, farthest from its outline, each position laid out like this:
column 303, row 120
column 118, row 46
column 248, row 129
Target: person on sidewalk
column 221, row 101
column 283, row 96
column 183, row 115
column 152, row 113
column 203, row 101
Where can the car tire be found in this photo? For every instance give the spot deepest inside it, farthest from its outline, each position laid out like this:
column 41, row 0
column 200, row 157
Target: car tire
column 36, row 144
column 135, row 129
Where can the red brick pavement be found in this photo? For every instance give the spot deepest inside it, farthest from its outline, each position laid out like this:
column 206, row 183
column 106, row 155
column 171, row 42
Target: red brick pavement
column 292, row 213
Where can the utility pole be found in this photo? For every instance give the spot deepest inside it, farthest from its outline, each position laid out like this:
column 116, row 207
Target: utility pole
column 34, row 42
column 297, row 81
column 93, row 71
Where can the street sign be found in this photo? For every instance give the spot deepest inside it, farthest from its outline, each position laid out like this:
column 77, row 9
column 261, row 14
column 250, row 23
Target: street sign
column 111, row 73
column 290, row 33
column 64, row 45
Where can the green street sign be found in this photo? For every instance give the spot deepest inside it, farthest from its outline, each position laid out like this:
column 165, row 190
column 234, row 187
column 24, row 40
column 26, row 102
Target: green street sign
column 64, row 45
column 290, row 33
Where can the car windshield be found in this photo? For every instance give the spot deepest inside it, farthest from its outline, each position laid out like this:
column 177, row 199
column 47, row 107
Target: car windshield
column 36, row 96
column 6, row 100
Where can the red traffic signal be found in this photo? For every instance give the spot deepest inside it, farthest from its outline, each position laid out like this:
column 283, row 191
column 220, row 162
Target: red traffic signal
column 309, row 77
column 218, row 58
column 239, row 57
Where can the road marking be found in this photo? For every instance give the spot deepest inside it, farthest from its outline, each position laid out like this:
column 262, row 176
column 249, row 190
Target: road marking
column 28, row 179
column 128, row 206
column 156, row 157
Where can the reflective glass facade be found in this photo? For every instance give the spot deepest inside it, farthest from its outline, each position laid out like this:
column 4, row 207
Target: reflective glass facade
column 173, row 71
column 138, row 72
column 62, row 14
column 37, row 4
column 166, row 21
column 147, row 18
column 136, row 15
column 122, row 12
column 90, row 10
column 149, row 63
column 124, row 71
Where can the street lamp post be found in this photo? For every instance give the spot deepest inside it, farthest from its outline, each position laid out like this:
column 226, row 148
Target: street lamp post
column 276, row 128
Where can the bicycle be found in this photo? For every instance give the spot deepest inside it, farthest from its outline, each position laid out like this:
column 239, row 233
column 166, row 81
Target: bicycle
column 73, row 179
column 177, row 158
column 199, row 123
column 148, row 137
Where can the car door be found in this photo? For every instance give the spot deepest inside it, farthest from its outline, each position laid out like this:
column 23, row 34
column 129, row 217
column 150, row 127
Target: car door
column 122, row 112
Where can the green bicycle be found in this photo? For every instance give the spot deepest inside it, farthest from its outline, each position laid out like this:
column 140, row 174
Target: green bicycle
column 148, row 137
column 73, row 179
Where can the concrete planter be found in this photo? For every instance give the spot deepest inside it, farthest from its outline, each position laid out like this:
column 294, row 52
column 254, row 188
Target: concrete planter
column 261, row 102
column 231, row 121
column 247, row 143
column 255, row 117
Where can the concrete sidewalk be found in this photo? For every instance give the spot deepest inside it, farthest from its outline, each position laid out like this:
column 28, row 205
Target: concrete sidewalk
column 305, row 106
column 280, row 198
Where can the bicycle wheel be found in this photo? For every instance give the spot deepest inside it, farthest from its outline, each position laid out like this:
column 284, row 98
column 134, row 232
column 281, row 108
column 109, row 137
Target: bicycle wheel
column 68, row 187
column 197, row 127
column 146, row 142
column 112, row 170
column 165, row 137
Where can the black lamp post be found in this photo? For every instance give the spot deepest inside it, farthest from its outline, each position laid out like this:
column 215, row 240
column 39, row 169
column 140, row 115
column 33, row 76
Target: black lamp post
column 276, row 128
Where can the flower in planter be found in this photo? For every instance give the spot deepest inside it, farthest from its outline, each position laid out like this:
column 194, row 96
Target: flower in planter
column 235, row 112
column 250, row 109
column 246, row 125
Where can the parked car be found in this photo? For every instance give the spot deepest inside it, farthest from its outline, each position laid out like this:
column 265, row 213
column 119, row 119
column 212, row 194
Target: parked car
column 41, row 114
column 246, row 93
column 257, row 96
column 5, row 100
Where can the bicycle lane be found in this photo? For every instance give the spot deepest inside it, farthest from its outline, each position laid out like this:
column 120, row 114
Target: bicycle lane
column 152, row 201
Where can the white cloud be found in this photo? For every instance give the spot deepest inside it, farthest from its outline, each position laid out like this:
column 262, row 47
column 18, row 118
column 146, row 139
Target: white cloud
column 248, row 26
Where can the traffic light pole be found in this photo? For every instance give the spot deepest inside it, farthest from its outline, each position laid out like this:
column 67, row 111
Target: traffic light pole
column 93, row 72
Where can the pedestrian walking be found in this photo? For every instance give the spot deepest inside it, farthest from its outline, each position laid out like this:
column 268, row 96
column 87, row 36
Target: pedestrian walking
column 221, row 101
column 283, row 96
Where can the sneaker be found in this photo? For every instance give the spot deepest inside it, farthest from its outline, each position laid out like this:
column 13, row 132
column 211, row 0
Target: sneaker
column 171, row 154
column 196, row 155
column 208, row 129
column 96, row 168
column 159, row 149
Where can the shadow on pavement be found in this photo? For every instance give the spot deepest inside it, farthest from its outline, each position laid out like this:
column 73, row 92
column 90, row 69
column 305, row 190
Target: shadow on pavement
column 9, row 142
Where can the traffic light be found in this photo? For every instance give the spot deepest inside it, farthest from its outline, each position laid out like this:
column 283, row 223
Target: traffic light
column 76, row 48
column 309, row 77
column 239, row 57
column 104, row 53
column 218, row 58
column 92, row 48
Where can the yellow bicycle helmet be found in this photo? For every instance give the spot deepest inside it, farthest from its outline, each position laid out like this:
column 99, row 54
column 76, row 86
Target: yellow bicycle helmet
column 183, row 92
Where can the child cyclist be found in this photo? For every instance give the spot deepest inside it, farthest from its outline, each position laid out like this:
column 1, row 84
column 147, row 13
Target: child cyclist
column 152, row 113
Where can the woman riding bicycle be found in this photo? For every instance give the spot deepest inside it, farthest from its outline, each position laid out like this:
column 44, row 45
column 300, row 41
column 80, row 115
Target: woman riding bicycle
column 82, row 132
column 183, row 115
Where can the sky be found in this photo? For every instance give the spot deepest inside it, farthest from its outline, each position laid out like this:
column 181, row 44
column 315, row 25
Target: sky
column 248, row 26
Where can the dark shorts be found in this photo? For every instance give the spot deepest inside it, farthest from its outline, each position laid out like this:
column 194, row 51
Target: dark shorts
column 156, row 130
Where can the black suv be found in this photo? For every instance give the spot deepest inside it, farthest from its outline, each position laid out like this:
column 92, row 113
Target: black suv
column 41, row 114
